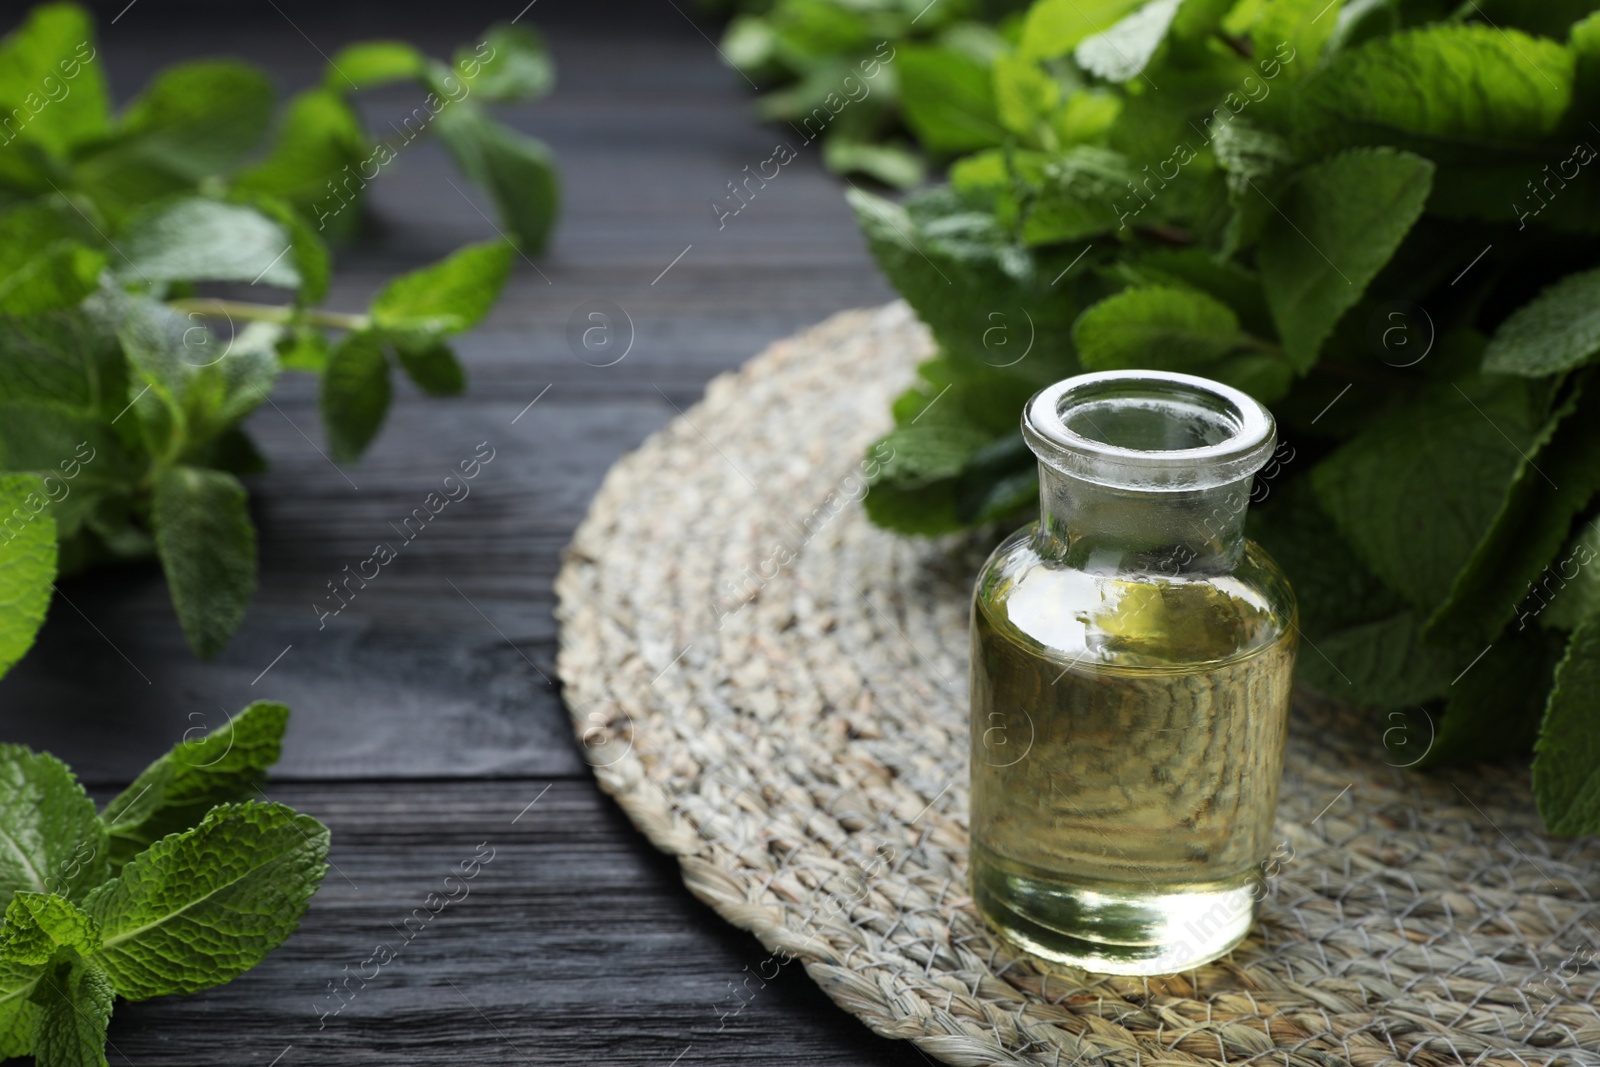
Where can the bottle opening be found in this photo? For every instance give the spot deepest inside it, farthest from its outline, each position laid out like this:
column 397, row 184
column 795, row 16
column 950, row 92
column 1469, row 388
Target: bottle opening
column 1155, row 430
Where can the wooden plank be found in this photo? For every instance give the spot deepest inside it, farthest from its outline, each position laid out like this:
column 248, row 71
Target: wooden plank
column 439, row 667
column 573, row 941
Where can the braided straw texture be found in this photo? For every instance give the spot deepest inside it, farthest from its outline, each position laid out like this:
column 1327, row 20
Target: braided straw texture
column 775, row 692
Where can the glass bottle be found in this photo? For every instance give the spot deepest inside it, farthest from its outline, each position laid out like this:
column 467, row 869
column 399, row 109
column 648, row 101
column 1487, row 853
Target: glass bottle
column 1131, row 662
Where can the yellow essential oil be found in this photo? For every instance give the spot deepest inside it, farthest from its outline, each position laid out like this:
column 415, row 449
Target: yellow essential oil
column 1131, row 663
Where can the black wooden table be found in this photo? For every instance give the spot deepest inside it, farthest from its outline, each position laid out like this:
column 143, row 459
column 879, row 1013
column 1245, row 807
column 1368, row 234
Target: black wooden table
column 428, row 725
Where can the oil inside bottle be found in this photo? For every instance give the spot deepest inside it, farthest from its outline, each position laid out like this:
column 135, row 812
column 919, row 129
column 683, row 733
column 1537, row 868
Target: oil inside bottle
column 1127, row 741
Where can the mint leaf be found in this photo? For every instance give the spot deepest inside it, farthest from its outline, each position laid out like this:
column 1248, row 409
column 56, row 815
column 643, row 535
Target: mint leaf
column 1384, row 664
column 200, row 908
column 369, row 64
column 1156, row 326
column 891, row 164
column 1556, row 479
column 19, row 1016
column 198, row 118
column 1417, row 491
column 1122, row 52
column 60, row 277
column 39, row 925
column 1554, row 332
column 207, row 547
column 948, row 98
column 318, row 136
column 175, row 792
column 1340, row 223
column 1569, row 587
column 430, row 363
column 1451, row 92
column 355, row 394
column 75, row 1008
column 517, row 170
column 208, row 240
column 512, row 63
column 62, row 358
column 310, row 253
column 445, row 297
column 1495, row 707
column 1078, row 194
column 51, row 841
column 55, row 43
column 1054, row 27
column 1566, row 765
column 27, row 564
column 917, row 490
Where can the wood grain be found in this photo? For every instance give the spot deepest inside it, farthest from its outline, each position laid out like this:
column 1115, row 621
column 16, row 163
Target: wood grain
column 427, row 713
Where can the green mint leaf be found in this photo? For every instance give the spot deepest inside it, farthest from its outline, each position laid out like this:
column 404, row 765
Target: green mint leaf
column 176, row 791
column 1054, row 27
column 74, row 1002
column 198, row 118
column 208, row 240
column 1554, row 332
column 1298, row 28
column 39, row 925
column 1340, row 223
column 1418, row 490
column 1156, row 326
column 517, row 170
column 1384, row 664
column 1453, row 92
column 62, row 358
column 512, row 63
column 200, row 908
column 19, row 1016
column 891, row 164
column 1552, row 483
column 207, row 547
column 445, row 297
column 304, row 348
column 58, row 278
column 369, row 64
column 948, row 98
column 319, row 135
column 1568, row 588
column 51, row 840
column 1122, row 52
column 75, row 456
column 1494, row 708
column 55, row 43
column 1335, row 590
column 310, row 252
column 355, row 394
column 918, row 490
column 1566, row 764
column 27, row 564
column 973, row 285
column 430, row 363
column 1078, row 195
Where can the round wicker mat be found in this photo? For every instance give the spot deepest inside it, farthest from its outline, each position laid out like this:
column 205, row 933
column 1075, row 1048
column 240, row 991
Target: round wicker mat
column 775, row 692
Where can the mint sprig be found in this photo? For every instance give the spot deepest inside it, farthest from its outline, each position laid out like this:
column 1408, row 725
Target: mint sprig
column 114, row 361
column 177, row 886
column 1383, row 228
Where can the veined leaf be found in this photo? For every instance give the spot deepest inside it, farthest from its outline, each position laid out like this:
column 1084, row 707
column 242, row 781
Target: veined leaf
column 208, row 240
column 1566, row 768
column 207, row 546
column 1558, row 330
column 446, row 297
column 200, row 908
column 355, row 394
column 51, row 841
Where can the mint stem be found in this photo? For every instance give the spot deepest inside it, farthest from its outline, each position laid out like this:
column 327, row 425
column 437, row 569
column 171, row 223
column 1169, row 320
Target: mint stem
column 240, row 309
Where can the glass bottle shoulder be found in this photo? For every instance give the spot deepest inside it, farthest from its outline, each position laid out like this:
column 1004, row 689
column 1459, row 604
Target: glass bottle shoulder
column 1142, row 620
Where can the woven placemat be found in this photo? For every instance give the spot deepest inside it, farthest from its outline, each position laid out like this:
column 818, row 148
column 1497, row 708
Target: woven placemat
column 775, row 691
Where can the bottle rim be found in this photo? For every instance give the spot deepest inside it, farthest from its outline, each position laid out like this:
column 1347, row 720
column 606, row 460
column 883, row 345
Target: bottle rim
column 1206, row 434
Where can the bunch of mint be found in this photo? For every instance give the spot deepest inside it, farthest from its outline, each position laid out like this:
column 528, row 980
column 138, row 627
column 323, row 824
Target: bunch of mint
column 181, row 883
column 857, row 76
column 122, row 386
column 1379, row 217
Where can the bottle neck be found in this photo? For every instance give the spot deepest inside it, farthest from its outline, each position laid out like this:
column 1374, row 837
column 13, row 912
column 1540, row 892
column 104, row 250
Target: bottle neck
column 1107, row 530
